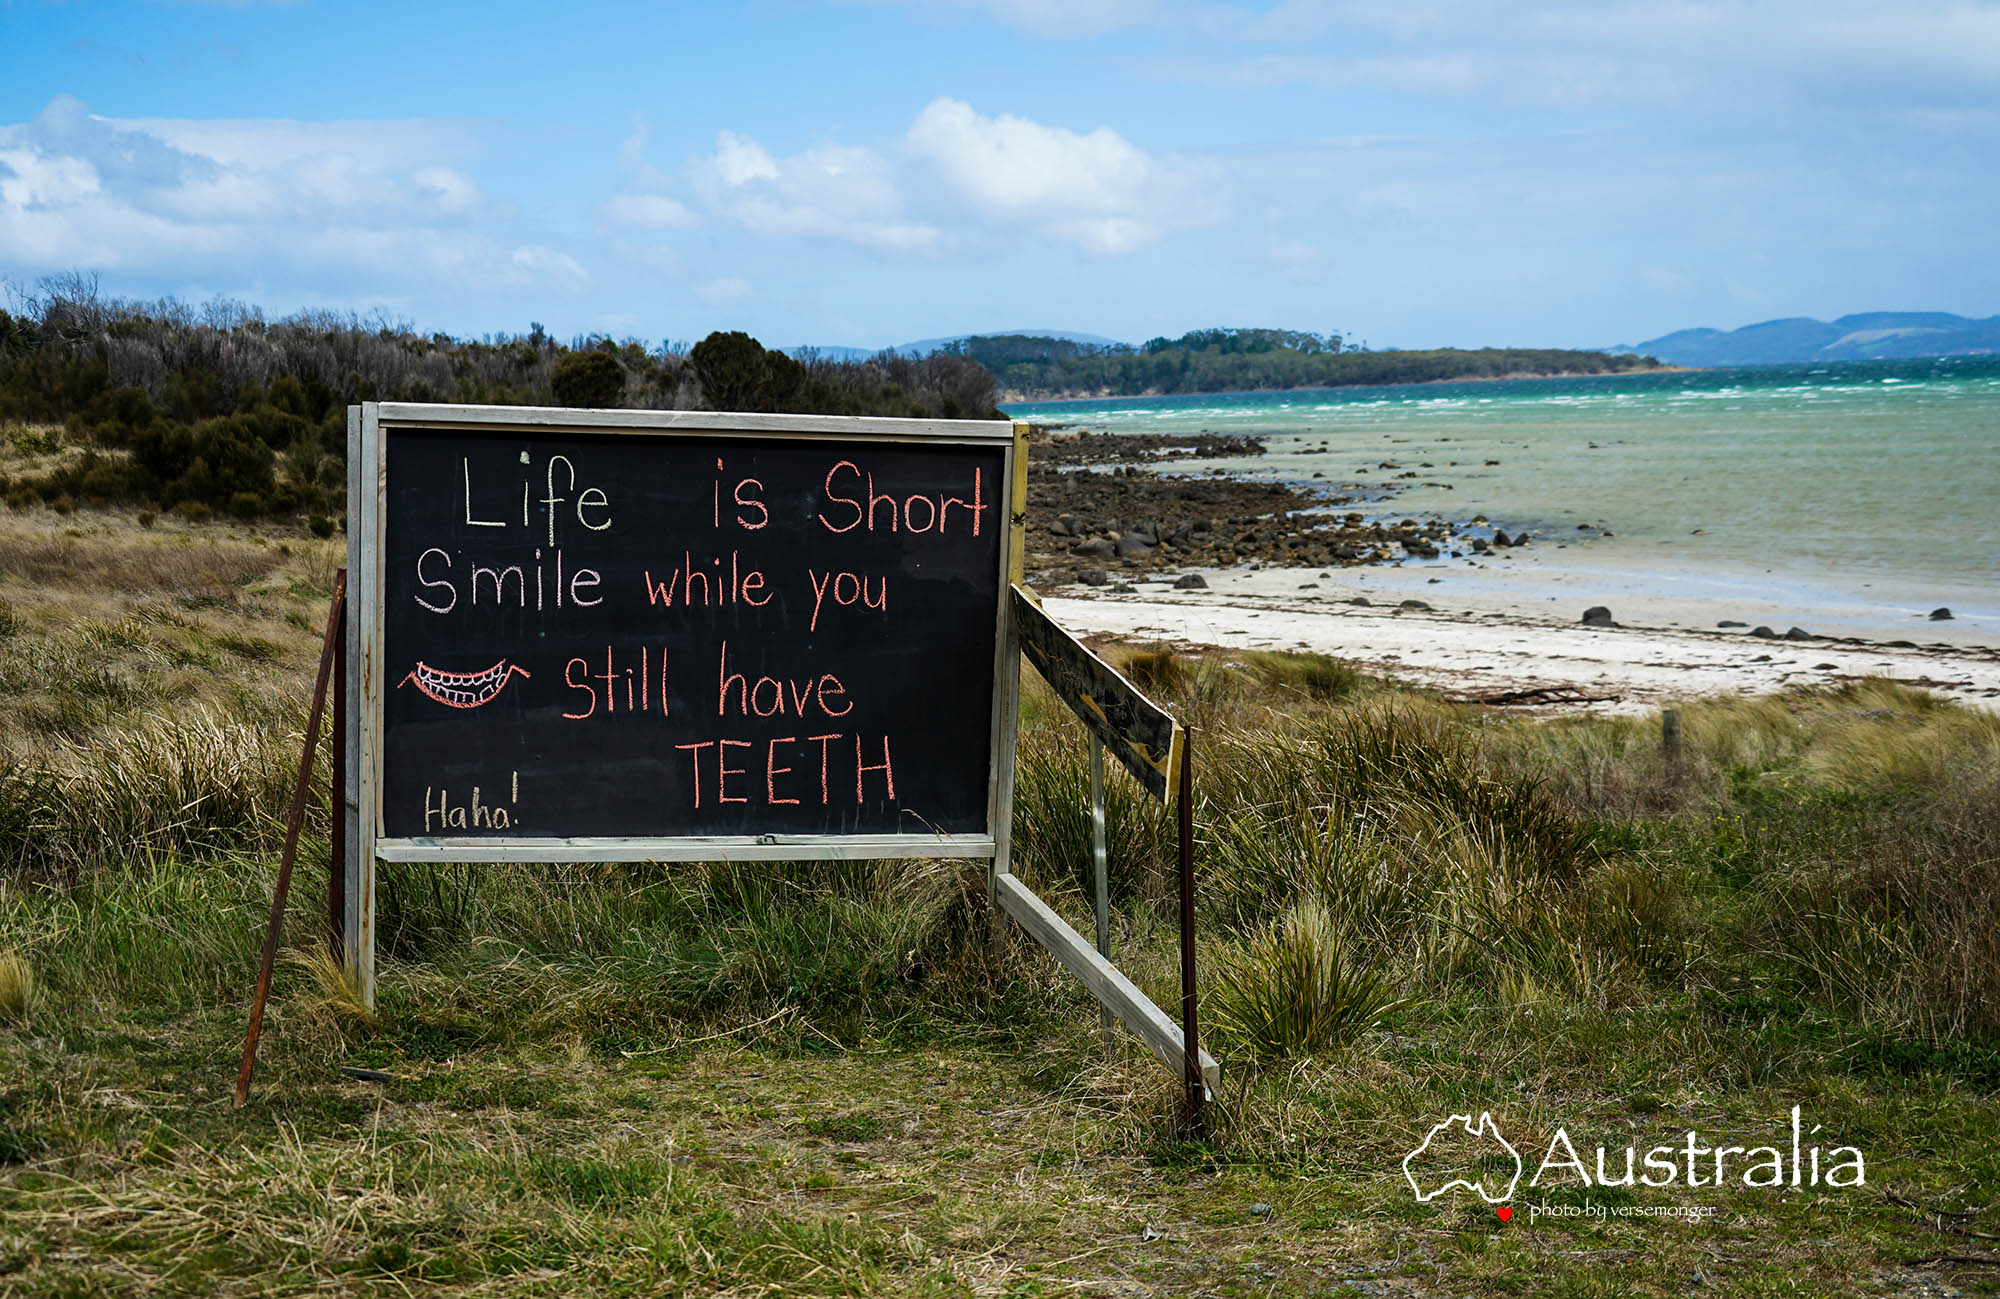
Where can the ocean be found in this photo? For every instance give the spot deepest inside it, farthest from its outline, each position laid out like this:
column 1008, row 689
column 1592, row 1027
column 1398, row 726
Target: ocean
column 1872, row 487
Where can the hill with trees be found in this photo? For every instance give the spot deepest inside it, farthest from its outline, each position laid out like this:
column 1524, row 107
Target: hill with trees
column 1242, row 360
column 214, row 409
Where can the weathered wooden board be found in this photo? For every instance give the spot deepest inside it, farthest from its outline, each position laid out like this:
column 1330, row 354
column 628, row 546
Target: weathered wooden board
column 1106, row 982
column 1138, row 732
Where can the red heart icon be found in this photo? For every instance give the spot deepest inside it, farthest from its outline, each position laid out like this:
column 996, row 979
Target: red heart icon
column 1506, row 1213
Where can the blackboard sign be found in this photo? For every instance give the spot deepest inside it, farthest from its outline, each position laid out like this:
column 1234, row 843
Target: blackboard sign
column 661, row 634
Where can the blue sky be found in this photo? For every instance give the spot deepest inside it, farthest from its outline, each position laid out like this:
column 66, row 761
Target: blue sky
column 1409, row 172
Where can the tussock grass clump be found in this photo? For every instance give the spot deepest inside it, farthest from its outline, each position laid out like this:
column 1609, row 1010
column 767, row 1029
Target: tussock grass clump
column 199, row 779
column 1319, row 677
column 1052, row 830
column 17, row 987
column 1298, row 986
column 1899, row 925
column 1156, row 671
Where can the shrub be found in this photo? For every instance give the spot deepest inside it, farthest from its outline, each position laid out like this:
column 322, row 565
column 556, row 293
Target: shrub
column 592, row 380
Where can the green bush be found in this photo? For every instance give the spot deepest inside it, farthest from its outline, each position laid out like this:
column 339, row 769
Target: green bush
column 593, row 380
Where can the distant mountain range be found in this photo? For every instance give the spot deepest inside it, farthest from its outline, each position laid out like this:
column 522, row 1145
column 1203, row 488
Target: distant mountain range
column 1869, row 335
column 925, row 346
column 1864, row 336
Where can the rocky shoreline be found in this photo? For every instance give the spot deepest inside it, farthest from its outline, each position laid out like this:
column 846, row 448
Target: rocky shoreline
column 1098, row 516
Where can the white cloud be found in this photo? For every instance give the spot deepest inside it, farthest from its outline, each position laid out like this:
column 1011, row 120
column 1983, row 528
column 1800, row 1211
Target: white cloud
column 451, row 190
column 969, row 179
column 1096, row 190
column 551, row 266
column 830, row 192
column 642, row 201
column 649, row 212
column 721, row 292
column 186, row 199
column 1298, row 261
column 1688, row 55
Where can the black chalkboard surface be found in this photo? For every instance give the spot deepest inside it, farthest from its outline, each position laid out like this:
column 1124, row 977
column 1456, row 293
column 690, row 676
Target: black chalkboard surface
column 665, row 634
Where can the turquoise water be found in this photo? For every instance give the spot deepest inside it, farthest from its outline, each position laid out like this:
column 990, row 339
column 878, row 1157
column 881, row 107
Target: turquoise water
column 1877, row 475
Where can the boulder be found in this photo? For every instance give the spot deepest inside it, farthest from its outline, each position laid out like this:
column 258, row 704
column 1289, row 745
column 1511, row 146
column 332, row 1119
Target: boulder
column 1093, row 577
column 1191, row 582
column 1500, row 538
column 1597, row 615
column 1800, row 633
column 1731, row 622
column 1416, row 605
column 1763, row 633
column 1941, row 614
column 1095, row 548
column 1132, row 547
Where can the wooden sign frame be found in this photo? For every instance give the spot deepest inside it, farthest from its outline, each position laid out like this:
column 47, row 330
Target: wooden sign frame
column 369, row 427
column 1151, row 744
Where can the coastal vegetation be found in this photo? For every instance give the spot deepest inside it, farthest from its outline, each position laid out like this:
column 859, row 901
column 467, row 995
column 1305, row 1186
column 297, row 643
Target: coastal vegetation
column 1242, row 360
column 214, row 410
column 834, row 1078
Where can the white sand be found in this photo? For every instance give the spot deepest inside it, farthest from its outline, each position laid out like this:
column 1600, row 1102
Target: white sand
column 1512, row 624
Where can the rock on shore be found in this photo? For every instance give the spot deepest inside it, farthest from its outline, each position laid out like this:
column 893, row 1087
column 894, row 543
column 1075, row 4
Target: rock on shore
column 1127, row 520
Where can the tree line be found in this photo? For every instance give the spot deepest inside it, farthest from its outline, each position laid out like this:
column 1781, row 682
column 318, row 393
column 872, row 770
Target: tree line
column 212, row 409
column 1243, row 360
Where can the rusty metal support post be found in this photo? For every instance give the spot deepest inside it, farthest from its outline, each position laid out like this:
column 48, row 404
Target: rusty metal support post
column 1197, row 1088
column 292, row 828
column 336, row 858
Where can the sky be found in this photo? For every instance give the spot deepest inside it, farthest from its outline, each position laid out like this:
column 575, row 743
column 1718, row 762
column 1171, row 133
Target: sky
column 1412, row 173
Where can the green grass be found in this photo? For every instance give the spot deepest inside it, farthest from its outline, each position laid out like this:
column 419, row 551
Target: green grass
column 832, row 1078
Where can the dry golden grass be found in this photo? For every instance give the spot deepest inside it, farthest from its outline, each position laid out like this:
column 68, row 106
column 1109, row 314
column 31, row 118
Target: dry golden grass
column 103, row 621
column 17, row 987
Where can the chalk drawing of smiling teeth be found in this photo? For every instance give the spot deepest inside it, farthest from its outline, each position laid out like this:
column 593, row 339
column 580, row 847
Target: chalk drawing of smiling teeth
column 462, row 689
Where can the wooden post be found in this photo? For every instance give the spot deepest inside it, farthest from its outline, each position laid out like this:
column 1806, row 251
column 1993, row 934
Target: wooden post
column 1100, row 861
column 1008, row 716
column 1670, row 731
column 292, row 828
column 1197, row 1090
column 336, row 856
column 364, row 521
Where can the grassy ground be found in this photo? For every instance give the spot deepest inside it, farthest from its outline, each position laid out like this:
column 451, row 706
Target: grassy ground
column 830, row 1079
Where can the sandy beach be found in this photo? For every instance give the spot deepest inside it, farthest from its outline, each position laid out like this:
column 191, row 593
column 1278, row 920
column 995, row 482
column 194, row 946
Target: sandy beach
column 1509, row 631
column 1217, row 554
